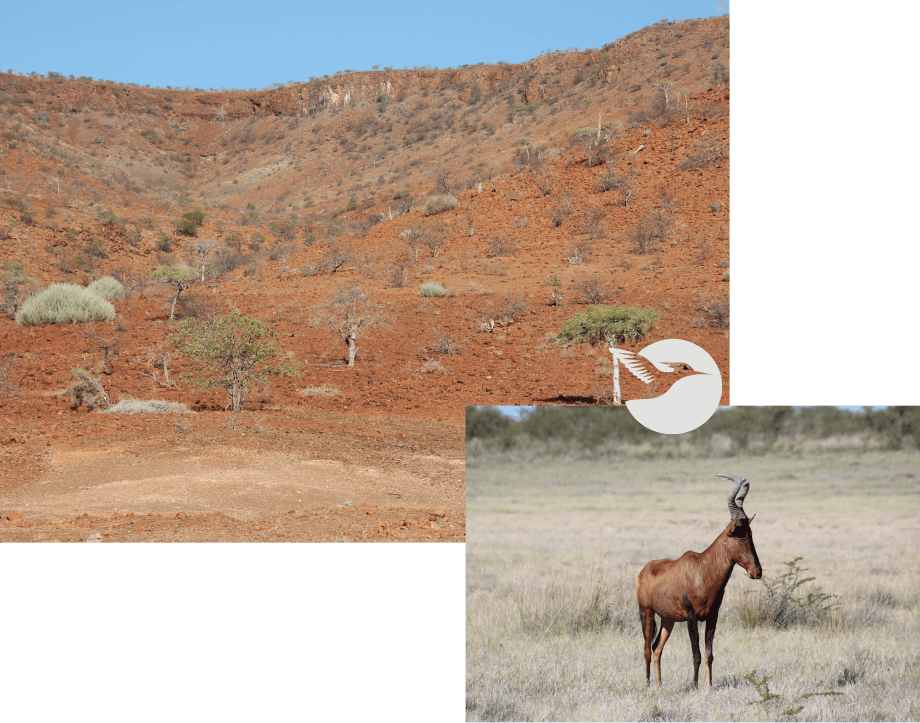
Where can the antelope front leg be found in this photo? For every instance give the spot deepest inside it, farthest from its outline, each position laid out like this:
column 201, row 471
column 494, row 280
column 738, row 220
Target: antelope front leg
column 694, row 639
column 710, row 635
column 648, row 630
column 695, row 646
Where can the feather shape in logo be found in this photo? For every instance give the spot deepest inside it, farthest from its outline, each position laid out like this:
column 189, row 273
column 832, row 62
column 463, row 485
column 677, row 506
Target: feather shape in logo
column 688, row 402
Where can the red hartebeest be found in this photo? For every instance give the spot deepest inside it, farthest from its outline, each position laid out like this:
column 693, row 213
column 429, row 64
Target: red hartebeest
column 691, row 588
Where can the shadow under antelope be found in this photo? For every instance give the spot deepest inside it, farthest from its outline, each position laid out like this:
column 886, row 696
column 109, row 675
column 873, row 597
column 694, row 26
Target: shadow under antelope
column 691, row 588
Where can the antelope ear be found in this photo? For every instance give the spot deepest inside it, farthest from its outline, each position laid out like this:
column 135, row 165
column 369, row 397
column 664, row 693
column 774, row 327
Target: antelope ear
column 752, row 519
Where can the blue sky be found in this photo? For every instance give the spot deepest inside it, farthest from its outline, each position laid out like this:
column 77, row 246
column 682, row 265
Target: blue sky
column 252, row 45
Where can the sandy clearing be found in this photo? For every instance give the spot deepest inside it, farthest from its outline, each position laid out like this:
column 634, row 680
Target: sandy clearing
column 237, row 482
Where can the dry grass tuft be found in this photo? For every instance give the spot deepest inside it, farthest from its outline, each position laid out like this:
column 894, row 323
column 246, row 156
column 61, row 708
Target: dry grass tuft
column 323, row 391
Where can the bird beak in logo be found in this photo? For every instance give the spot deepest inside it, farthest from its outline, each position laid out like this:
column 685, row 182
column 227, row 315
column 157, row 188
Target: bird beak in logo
column 688, row 402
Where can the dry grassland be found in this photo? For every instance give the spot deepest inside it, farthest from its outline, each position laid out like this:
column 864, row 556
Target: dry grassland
column 554, row 546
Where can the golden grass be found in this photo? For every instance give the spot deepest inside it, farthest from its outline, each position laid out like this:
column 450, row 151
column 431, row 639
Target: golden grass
column 553, row 542
column 323, row 391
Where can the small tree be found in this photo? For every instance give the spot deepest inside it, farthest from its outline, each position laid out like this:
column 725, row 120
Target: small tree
column 335, row 257
column 350, row 311
column 159, row 355
column 412, row 237
column 110, row 347
column 600, row 325
column 182, row 277
column 445, row 181
column 625, row 184
column 434, row 238
column 203, row 248
column 232, row 353
column 653, row 227
column 688, row 106
column 663, row 89
column 14, row 286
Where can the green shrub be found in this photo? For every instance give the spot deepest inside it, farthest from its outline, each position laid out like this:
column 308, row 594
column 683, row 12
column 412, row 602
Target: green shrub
column 440, row 204
column 63, row 303
column 196, row 216
column 94, row 249
column 781, row 603
column 186, row 227
column 231, row 355
column 600, row 323
column 432, row 288
column 107, row 288
column 282, row 229
column 152, row 135
column 404, row 193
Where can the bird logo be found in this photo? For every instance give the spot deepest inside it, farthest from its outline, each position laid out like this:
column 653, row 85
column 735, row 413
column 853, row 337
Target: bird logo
column 649, row 371
column 689, row 401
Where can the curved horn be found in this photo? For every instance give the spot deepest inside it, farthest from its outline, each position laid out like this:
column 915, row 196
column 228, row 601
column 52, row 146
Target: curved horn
column 736, row 496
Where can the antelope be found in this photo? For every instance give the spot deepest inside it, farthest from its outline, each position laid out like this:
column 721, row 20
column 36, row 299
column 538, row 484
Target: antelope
column 691, row 588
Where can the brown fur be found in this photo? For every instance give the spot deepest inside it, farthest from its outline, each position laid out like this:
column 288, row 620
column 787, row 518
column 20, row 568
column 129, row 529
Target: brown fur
column 690, row 589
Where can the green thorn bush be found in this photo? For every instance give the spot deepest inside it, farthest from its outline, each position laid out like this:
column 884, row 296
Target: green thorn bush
column 600, row 323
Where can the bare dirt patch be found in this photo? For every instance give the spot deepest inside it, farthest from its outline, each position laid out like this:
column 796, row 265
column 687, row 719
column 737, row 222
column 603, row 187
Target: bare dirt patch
column 292, row 483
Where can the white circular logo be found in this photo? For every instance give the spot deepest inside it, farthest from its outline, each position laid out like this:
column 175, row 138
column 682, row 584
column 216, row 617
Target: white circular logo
column 690, row 401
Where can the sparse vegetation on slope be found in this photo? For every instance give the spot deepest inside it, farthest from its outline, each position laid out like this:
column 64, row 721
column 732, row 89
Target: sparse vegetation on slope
column 303, row 195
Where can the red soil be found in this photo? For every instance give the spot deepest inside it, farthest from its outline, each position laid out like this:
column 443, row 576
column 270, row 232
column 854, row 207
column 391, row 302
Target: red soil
column 303, row 165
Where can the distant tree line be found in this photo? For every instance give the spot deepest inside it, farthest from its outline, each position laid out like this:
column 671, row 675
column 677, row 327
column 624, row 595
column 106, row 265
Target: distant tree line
column 746, row 427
